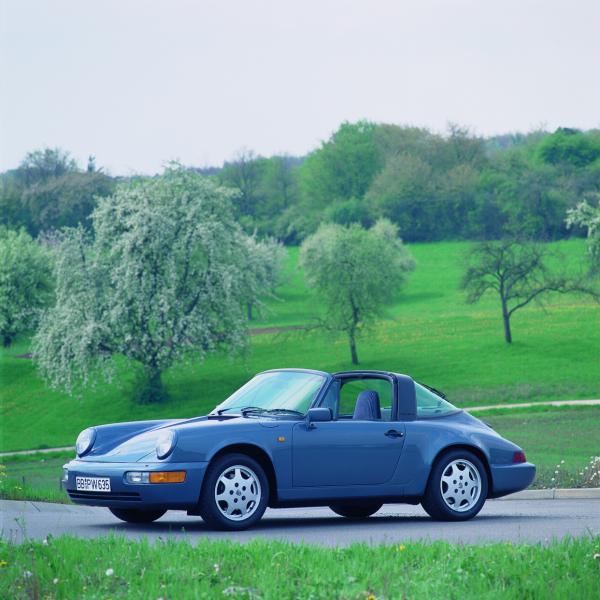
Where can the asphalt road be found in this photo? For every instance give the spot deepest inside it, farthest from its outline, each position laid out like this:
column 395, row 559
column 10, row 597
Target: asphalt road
column 500, row 520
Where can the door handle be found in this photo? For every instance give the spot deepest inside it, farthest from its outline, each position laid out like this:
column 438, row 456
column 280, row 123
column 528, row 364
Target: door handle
column 393, row 433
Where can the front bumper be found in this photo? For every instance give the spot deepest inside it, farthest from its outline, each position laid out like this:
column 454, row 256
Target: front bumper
column 178, row 496
column 507, row 479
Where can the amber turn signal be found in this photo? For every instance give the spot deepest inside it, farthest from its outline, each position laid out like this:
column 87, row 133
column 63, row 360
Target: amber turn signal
column 167, row 477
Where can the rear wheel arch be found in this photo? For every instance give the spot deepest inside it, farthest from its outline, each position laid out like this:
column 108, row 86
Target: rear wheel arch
column 259, row 455
column 474, row 450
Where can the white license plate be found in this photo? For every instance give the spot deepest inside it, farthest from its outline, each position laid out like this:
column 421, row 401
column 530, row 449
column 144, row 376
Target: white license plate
column 92, row 484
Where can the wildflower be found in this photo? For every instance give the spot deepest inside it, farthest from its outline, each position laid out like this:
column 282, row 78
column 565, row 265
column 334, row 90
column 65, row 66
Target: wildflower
column 552, row 479
column 45, row 542
column 401, row 548
column 556, row 472
column 3, row 563
column 110, row 572
column 27, row 574
column 55, row 580
column 217, row 567
column 562, row 462
column 371, row 596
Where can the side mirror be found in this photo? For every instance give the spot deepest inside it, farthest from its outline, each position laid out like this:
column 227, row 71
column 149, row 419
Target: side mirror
column 317, row 415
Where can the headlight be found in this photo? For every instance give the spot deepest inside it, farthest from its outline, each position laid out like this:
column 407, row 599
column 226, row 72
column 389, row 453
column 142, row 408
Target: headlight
column 165, row 443
column 85, row 441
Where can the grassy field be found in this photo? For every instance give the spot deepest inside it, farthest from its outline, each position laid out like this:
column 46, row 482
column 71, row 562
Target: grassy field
column 33, row 477
column 118, row 568
column 36, row 476
column 430, row 334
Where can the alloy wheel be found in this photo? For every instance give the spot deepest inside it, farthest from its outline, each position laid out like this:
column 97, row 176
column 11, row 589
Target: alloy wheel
column 237, row 493
column 460, row 485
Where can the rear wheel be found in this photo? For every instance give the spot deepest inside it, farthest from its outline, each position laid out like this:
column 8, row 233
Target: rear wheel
column 457, row 487
column 234, row 493
column 135, row 515
column 356, row 511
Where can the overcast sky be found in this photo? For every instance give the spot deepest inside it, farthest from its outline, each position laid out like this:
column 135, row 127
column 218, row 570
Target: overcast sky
column 140, row 82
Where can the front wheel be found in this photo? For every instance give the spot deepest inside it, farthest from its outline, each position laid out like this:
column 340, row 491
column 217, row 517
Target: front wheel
column 457, row 488
column 356, row 511
column 135, row 515
column 234, row 493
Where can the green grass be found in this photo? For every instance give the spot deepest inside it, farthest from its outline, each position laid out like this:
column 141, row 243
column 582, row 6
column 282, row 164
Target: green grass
column 430, row 334
column 33, row 477
column 75, row 568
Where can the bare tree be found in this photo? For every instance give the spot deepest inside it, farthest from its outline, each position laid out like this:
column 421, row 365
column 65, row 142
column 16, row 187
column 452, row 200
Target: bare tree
column 518, row 272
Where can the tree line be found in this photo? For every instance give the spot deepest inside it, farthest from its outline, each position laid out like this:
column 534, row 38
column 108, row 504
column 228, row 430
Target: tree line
column 431, row 186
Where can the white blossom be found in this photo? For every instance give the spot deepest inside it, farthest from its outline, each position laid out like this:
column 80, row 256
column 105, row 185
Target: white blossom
column 163, row 277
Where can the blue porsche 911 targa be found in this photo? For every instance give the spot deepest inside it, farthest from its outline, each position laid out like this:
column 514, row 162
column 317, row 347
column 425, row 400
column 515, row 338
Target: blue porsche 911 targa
column 295, row 437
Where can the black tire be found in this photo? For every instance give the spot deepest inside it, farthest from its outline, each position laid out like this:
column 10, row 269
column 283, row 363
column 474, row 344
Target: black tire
column 360, row 510
column 135, row 515
column 447, row 470
column 212, row 512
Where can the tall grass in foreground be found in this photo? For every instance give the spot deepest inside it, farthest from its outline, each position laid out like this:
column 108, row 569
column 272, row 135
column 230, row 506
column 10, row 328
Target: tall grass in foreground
column 116, row 568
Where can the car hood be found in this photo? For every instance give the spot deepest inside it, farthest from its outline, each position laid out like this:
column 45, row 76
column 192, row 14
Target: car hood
column 133, row 442
column 130, row 442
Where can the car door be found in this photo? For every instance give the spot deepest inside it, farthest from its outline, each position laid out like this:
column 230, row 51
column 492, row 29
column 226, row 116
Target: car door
column 347, row 452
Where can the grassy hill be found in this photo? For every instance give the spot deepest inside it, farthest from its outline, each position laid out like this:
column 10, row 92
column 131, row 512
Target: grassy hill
column 430, row 334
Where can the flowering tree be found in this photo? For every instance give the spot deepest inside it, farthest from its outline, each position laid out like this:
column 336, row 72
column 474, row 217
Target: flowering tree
column 355, row 271
column 161, row 278
column 263, row 268
column 25, row 283
column 588, row 216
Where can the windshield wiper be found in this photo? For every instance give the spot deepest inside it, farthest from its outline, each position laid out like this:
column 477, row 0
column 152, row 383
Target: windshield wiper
column 271, row 411
column 240, row 408
column 252, row 409
column 259, row 409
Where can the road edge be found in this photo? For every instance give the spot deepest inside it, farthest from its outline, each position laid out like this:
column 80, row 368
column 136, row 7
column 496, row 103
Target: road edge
column 556, row 494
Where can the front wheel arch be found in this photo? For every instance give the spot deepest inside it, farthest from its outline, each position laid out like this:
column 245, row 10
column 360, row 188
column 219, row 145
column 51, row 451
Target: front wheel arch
column 260, row 456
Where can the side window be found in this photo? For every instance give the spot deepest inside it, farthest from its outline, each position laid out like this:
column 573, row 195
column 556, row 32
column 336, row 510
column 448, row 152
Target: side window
column 351, row 388
column 430, row 404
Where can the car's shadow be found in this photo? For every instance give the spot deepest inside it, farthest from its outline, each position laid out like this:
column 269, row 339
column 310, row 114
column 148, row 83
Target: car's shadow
column 284, row 524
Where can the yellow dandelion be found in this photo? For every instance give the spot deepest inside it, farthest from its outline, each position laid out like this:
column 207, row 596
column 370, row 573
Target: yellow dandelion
column 401, row 548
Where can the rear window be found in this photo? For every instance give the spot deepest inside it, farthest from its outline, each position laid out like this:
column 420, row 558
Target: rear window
column 429, row 404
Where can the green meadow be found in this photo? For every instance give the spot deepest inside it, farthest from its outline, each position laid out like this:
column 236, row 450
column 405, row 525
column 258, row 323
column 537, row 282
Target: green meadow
column 430, row 333
column 117, row 568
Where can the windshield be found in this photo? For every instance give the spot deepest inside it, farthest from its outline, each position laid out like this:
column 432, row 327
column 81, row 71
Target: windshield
column 291, row 391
